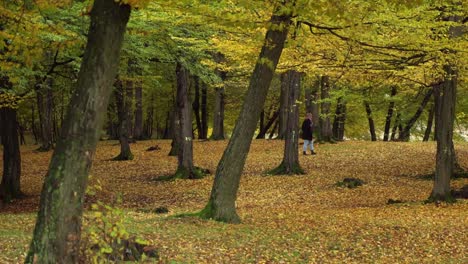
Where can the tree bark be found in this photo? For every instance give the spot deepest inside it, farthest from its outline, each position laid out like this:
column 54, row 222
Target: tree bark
column 221, row 205
column 445, row 95
column 388, row 120
column 58, row 226
column 395, row 127
column 371, row 121
column 45, row 108
column 430, row 118
column 339, row 121
column 122, row 98
column 10, row 185
column 284, row 107
column 325, row 124
column 405, row 133
column 290, row 164
column 268, row 125
column 204, row 112
column 218, row 117
column 138, row 129
column 149, row 123
column 185, row 168
column 196, row 107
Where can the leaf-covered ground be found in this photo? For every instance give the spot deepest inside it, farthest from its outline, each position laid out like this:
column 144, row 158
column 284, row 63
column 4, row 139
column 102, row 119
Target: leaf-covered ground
column 286, row 219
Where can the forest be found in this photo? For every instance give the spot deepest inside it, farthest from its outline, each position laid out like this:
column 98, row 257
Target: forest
column 174, row 131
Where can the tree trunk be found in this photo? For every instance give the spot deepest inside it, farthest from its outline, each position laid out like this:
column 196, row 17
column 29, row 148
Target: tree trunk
column 290, row 163
column 261, row 125
column 339, row 121
column 45, row 108
column 388, row 120
column 176, row 128
column 196, row 107
column 204, row 112
column 270, row 122
column 371, row 121
column 445, row 95
column 284, row 107
column 218, row 117
column 221, row 205
column 169, row 124
column 430, row 119
column 33, row 123
column 185, row 169
column 325, row 124
column 272, row 132
column 122, row 98
column 149, row 123
column 138, row 129
column 10, row 185
column 57, row 232
column 405, row 133
column 395, row 127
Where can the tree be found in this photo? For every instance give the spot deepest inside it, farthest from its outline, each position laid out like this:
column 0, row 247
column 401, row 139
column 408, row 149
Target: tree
column 388, row 120
column 290, row 163
column 326, row 133
column 221, row 205
column 370, row 119
column 58, row 226
column 123, row 98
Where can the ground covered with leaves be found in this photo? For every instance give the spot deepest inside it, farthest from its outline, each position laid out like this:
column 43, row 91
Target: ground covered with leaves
column 286, row 219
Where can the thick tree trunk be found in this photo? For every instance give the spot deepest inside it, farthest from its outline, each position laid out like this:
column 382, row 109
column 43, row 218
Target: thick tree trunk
column 57, row 232
column 290, row 163
column 221, row 205
column 430, row 119
column 388, row 120
column 45, row 108
column 405, row 133
column 185, row 168
column 371, row 121
column 218, row 116
column 10, row 185
column 122, row 99
column 284, row 107
column 445, row 95
column 325, row 124
column 339, row 121
column 204, row 112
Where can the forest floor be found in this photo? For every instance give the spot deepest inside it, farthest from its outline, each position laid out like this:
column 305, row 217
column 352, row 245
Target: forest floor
column 285, row 219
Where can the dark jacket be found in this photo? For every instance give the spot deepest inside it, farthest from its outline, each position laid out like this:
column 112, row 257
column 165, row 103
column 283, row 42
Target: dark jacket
column 307, row 129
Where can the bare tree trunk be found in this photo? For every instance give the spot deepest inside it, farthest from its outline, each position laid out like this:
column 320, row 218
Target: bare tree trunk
column 272, row 132
column 196, row 107
column 405, row 133
column 123, row 99
column 371, row 121
column 339, row 121
column 284, row 107
column 57, row 232
column 430, row 119
column 290, row 163
column 325, row 124
column 204, row 112
column 10, row 185
column 388, row 120
column 395, row 127
column 45, row 108
column 218, row 117
column 138, row 130
column 445, row 95
column 221, row 205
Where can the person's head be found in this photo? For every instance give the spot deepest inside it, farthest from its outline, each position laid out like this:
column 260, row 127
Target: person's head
column 309, row 115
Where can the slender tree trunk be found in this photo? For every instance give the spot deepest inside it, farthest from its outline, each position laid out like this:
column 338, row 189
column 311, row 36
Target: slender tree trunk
column 218, row 117
column 405, row 133
column 138, row 130
column 204, row 112
column 45, row 108
column 196, row 107
column 272, row 132
column 339, row 121
column 284, row 107
column 371, row 121
column 445, row 95
column 149, row 123
column 388, row 120
column 185, row 169
column 325, row 124
column 290, row 163
column 10, row 185
column 430, row 119
column 395, row 127
column 57, row 232
column 261, row 125
column 168, row 128
column 33, row 123
column 122, row 99
column 221, row 205
column 268, row 125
